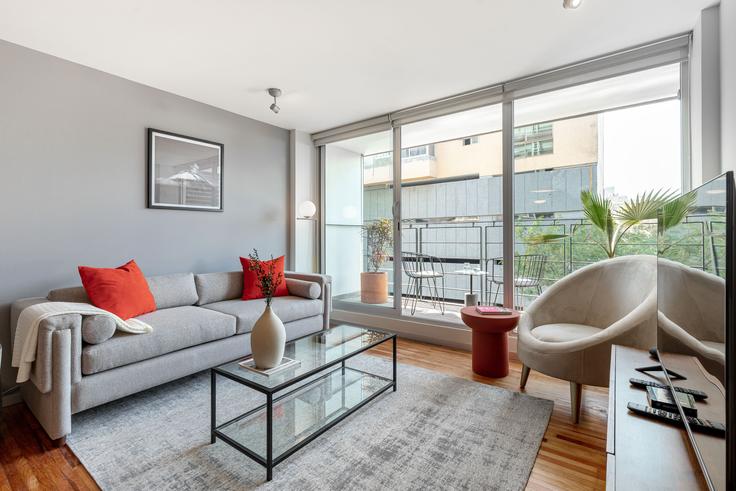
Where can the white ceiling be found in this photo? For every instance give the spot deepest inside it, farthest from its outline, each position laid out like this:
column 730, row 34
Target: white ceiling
column 337, row 61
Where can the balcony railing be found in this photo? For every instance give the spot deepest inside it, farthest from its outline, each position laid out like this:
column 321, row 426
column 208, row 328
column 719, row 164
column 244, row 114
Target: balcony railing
column 476, row 241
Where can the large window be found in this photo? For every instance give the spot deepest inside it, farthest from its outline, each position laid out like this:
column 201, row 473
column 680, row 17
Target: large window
column 616, row 138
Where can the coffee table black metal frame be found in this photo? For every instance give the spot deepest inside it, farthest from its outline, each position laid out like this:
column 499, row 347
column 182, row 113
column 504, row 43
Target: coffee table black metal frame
column 270, row 462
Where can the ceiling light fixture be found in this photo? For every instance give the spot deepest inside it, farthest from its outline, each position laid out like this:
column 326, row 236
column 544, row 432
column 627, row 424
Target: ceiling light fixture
column 274, row 93
column 571, row 4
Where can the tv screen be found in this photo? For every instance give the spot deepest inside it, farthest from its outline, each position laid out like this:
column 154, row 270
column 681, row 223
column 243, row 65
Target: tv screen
column 695, row 251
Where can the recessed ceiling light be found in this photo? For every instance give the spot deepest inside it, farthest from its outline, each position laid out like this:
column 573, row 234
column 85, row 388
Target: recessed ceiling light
column 539, row 201
column 715, row 191
column 541, row 190
column 571, row 4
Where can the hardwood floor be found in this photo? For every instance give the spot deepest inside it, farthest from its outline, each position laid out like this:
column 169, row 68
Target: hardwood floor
column 572, row 457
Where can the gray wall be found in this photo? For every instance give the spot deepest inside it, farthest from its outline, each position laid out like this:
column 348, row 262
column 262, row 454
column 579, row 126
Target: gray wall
column 728, row 84
column 72, row 189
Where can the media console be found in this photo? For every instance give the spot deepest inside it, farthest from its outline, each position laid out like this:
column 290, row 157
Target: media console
column 644, row 453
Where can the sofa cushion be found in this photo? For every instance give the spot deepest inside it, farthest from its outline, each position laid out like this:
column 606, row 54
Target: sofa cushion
column 173, row 329
column 173, row 290
column 301, row 288
column 97, row 328
column 559, row 333
column 122, row 290
column 217, row 287
column 247, row 312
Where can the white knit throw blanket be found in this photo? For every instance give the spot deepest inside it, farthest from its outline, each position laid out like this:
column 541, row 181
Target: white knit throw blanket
column 26, row 332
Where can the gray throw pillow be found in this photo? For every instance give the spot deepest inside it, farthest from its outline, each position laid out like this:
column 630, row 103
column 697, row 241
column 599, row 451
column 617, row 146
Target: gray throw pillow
column 97, row 328
column 301, row 288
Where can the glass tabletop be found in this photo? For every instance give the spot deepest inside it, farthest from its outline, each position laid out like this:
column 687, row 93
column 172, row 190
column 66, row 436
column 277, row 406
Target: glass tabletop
column 470, row 272
column 313, row 352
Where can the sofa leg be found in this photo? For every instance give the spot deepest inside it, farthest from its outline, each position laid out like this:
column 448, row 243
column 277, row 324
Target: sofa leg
column 59, row 442
column 524, row 375
column 576, row 398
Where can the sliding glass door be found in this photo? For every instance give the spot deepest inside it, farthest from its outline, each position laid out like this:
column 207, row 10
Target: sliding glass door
column 359, row 221
column 451, row 220
column 557, row 153
column 576, row 150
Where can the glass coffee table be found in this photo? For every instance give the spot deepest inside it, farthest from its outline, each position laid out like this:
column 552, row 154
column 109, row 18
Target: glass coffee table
column 305, row 401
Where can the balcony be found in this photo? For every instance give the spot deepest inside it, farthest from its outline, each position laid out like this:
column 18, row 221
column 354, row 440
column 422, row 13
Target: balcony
column 475, row 242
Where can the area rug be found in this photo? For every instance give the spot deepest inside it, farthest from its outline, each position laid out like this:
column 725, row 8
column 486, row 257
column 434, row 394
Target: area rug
column 435, row 432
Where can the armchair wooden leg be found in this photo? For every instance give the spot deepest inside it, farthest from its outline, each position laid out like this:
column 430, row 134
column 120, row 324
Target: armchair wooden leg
column 524, row 375
column 59, row 442
column 576, row 398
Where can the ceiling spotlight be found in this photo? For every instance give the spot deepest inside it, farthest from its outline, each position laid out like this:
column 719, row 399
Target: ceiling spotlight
column 274, row 93
column 571, row 4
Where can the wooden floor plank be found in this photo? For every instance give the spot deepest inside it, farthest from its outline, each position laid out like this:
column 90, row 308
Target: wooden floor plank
column 572, row 457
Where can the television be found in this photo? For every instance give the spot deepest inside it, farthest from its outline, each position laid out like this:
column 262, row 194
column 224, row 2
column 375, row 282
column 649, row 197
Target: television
column 696, row 308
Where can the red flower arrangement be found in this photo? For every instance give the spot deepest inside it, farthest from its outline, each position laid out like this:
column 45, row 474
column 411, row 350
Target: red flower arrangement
column 268, row 279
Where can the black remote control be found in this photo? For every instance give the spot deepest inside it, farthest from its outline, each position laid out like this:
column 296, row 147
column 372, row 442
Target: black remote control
column 696, row 424
column 698, row 395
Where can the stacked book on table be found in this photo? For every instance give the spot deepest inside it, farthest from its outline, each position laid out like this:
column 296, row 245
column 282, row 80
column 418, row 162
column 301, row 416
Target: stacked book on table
column 493, row 310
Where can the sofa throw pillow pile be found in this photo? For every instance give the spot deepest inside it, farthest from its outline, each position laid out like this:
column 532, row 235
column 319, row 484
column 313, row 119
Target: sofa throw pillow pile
column 251, row 288
column 122, row 291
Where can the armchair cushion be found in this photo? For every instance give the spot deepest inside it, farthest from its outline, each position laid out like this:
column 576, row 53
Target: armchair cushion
column 559, row 333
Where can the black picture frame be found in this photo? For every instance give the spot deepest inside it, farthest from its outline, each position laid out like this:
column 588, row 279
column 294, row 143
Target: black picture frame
column 155, row 196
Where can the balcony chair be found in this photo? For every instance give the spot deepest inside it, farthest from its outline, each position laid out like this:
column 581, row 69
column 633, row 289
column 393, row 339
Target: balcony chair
column 423, row 270
column 528, row 271
column 690, row 318
column 567, row 332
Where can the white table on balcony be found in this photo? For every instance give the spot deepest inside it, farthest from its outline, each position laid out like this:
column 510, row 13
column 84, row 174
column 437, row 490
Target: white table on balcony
column 471, row 299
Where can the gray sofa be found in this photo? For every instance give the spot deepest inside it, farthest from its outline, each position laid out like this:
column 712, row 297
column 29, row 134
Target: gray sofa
column 200, row 322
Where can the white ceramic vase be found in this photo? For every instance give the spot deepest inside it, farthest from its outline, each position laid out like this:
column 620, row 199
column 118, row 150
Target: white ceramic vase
column 267, row 340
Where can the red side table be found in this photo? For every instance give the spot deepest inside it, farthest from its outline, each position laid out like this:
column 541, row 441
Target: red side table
column 490, row 341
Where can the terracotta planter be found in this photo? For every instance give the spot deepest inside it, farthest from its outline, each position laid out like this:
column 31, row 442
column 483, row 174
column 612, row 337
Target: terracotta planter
column 267, row 340
column 374, row 287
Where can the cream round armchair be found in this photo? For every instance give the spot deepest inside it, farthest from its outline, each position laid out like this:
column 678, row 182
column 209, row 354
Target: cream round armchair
column 691, row 315
column 568, row 331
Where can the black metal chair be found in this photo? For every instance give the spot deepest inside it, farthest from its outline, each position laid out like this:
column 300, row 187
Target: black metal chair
column 528, row 270
column 423, row 270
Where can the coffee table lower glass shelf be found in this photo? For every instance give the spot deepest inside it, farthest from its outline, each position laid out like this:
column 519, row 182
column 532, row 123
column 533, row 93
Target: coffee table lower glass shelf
column 272, row 432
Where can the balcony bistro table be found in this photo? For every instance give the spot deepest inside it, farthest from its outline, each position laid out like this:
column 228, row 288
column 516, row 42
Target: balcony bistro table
column 490, row 340
column 471, row 299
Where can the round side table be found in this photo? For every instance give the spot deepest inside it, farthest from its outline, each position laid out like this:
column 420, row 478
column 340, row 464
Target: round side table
column 490, row 340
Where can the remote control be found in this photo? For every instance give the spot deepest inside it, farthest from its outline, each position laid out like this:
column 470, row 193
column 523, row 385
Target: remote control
column 696, row 424
column 697, row 394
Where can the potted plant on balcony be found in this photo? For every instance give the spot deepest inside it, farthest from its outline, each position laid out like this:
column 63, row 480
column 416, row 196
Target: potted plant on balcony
column 374, row 283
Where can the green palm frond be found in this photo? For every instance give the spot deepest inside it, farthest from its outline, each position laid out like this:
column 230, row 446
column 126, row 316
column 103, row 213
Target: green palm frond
column 643, row 207
column 675, row 211
column 597, row 209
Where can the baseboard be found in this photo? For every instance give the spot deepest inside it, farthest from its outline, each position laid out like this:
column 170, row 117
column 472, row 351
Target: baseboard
column 454, row 337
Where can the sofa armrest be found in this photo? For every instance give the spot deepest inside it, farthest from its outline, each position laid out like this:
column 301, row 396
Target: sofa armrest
column 325, row 282
column 48, row 361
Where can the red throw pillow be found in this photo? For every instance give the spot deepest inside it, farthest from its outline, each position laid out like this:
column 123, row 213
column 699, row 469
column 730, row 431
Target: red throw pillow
column 251, row 288
column 122, row 291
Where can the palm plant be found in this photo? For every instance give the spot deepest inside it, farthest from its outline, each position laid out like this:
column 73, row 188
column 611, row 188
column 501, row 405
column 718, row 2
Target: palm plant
column 615, row 222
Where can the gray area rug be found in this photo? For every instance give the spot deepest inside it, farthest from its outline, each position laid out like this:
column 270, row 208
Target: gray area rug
column 435, row 432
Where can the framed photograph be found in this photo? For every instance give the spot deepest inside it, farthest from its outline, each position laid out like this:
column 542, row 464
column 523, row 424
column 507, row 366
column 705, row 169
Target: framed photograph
column 184, row 173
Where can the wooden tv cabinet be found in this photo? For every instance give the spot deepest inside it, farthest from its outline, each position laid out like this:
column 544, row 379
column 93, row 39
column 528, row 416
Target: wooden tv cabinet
column 644, row 453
